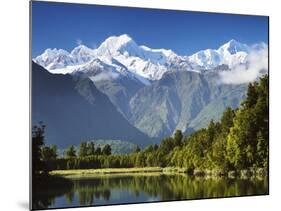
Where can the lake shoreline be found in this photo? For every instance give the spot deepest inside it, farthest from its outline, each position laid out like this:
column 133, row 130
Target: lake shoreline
column 242, row 174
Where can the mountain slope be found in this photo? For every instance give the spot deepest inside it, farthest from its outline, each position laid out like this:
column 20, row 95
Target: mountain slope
column 182, row 100
column 120, row 92
column 75, row 110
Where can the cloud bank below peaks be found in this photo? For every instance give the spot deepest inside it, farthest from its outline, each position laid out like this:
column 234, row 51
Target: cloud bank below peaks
column 256, row 65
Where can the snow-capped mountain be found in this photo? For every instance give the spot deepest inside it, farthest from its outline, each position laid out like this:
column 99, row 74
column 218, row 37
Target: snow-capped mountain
column 58, row 58
column 119, row 52
column 54, row 59
column 81, row 54
column 142, row 61
column 121, row 56
column 231, row 53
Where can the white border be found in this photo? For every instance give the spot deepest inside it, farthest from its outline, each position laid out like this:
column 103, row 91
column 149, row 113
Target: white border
column 14, row 104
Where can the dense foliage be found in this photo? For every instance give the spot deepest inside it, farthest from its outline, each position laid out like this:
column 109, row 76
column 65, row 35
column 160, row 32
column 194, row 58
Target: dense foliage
column 238, row 141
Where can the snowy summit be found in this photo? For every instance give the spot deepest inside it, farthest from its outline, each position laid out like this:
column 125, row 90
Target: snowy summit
column 122, row 56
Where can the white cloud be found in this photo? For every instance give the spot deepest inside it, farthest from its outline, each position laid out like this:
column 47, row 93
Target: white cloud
column 79, row 42
column 104, row 76
column 257, row 65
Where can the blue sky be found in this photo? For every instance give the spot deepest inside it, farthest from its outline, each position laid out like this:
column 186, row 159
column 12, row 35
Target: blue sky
column 59, row 25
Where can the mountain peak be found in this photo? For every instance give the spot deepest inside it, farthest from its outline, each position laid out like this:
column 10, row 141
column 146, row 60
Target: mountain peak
column 53, row 58
column 234, row 46
column 233, row 41
column 230, row 53
column 54, row 52
column 115, row 44
column 124, row 38
column 82, row 54
column 81, row 49
column 118, row 40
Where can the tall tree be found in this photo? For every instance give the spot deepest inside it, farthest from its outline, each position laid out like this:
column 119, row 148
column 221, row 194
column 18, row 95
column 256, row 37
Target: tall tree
column 227, row 120
column 98, row 151
column 49, row 153
column 83, row 149
column 106, row 150
column 91, row 149
column 178, row 138
column 38, row 165
column 137, row 149
column 54, row 151
column 211, row 131
column 70, row 152
column 140, row 160
column 262, row 151
column 252, row 95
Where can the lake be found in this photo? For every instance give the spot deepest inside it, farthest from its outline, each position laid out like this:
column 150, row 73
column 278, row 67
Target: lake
column 122, row 189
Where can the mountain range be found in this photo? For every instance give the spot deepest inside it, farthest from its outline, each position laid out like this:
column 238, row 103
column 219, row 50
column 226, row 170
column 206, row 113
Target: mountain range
column 155, row 91
column 122, row 56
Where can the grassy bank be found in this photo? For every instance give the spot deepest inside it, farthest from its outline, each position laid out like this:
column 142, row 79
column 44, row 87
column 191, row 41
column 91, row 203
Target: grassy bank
column 115, row 171
column 244, row 174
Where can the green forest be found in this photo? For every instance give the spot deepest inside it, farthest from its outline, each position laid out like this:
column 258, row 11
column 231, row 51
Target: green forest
column 239, row 141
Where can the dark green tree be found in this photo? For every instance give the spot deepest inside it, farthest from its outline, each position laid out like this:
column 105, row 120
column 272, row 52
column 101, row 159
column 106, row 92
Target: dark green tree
column 38, row 166
column 262, row 151
column 149, row 149
column 212, row 129
column 91, row 149
column 252, row 95
column 70, row 152
column 240, row 152
column 54, row 151
column 140, row 160
column 98, row 151
column 137, row 149
column 227, row 120
column 167, row 145
column 106, row 150
column 83, row 149
column 155, row 147
column 49, row 153
column 178, row 138
column 218, row 153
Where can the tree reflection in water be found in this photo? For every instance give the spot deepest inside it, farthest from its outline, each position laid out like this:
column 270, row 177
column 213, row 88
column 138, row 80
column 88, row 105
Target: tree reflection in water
column 98, row 190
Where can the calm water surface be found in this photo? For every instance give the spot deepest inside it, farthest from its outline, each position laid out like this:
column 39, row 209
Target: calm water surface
column 115, row 189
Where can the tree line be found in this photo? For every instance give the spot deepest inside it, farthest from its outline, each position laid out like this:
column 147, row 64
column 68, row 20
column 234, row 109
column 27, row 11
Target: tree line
column 238, row 141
